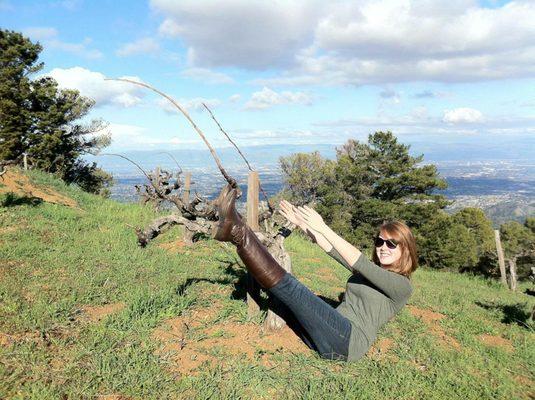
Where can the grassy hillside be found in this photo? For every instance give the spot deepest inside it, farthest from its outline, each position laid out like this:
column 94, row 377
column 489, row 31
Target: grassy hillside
column 86, row 313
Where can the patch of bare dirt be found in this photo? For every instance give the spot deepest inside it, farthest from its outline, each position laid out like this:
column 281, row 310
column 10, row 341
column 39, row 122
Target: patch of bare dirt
column 525, row 382
column 8, row 229
column 497, row 341
column 431, row 319
column 380, row 349
column 21, row 185
column 8, row 265
column 326, row 273
column 98, row 313
column 6, row 340
column 113, row 397
column 195, row 339
column 36, row 337
column 176, row 246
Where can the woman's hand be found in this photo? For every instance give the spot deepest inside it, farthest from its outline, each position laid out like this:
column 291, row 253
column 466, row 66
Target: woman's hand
column 312, row 218
column 292, row 214
column 289, row 211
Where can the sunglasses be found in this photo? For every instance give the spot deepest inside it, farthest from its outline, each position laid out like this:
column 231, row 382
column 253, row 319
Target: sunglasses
column 390, row 243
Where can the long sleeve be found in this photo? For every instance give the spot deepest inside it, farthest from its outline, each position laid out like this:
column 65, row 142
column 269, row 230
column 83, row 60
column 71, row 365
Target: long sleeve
column 397, row 287
column 334, row 254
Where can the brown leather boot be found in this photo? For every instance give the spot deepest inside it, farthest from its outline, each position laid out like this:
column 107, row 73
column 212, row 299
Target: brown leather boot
column 259, row 262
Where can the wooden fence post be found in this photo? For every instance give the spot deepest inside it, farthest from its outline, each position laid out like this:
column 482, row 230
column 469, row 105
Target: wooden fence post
column 25, row 160
column 501, row 259
column 188, row 235
column 187, row 184
column 273, row 320
column 252, row 200
column 512, row 271
column 253, row 288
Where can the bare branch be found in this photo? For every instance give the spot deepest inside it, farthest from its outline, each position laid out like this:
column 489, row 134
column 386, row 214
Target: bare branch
column 157, row 227
column 174, row 159
column 127, row 159
column 227, row 177
column 239, row 151
column 141, row 169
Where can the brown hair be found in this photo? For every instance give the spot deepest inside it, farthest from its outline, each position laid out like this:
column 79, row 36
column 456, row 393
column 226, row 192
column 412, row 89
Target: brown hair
column 401, row 233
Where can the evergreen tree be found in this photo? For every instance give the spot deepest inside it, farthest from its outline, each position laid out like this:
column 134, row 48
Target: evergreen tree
column 305, row 176
column 519, row 245
column 40, row 120
column 380, row 180
column 444, row 243
column 475, row 220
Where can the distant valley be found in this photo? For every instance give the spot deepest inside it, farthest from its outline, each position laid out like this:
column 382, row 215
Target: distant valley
column 505, row 189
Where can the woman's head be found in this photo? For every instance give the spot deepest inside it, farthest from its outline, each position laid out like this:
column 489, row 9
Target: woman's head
column 395, row 248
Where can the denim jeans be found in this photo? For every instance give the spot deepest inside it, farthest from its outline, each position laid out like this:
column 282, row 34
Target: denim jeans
column 319, row 325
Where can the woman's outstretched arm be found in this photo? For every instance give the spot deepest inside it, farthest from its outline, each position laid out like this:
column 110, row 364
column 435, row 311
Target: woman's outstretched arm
column 349, row 253
column 290, row 212
column 395, row 286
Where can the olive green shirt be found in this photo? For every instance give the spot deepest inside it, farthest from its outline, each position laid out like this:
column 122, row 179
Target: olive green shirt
column 373, row 296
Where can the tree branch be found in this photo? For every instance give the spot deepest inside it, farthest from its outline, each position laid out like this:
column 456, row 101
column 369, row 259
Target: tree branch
column 239, row 151
column 227, row 177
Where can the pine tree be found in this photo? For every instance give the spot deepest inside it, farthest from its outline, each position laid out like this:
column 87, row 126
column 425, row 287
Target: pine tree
column 380, row 180
column 41, row 120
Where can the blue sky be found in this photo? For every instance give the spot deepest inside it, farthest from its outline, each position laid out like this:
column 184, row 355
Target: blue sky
column 294, row 72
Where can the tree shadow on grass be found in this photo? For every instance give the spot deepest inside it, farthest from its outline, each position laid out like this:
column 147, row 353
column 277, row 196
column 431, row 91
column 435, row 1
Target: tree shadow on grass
column 230, row 271
column 11, row 199
column 512, row 313
column 237, row 275
column 242, row 281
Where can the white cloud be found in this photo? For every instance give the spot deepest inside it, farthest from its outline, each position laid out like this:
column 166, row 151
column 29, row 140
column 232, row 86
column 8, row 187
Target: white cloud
column 93, row 85
column 388, row 97
column 125, row 136
column 234, row 98
column 40, row 32
column 271, row 134
column 420, row 113
column 68, row 4
column 370, row 41
column 250, row 34
column 141, row 46
column 462, row 115
column 429, row 94
column 418, row 121
column 399, row 40
column 267, row 98
column 49, row 38
column 207, row 76
column 194, row 104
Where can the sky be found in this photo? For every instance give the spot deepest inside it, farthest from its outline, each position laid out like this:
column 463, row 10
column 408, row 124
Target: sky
column 293, row 72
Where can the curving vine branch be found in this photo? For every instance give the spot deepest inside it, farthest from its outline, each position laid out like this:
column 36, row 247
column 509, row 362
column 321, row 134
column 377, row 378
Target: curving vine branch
column 227, row 177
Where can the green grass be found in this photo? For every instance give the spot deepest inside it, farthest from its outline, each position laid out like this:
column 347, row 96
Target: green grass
column 55, row 260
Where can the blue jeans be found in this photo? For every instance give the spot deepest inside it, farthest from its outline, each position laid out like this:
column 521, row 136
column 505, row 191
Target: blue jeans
column 319, row 325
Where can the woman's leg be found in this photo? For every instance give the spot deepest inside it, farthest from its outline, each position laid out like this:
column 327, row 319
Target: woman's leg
column 328, row 330
column 325, row 327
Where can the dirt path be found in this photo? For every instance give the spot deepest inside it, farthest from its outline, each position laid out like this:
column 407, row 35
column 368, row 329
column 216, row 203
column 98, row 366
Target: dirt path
column 17, row 183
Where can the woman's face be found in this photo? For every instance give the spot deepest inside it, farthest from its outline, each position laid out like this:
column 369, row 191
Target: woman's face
column 386, row 255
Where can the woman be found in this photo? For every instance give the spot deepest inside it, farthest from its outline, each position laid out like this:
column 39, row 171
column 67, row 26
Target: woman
column 373, row 295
